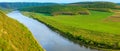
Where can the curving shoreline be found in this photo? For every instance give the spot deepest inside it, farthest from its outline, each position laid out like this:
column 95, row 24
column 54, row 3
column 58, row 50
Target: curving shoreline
column 70, row 36
column 48, row 38
column 21, row 38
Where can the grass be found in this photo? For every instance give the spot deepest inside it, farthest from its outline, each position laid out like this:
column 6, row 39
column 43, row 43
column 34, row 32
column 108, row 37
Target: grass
column 90, row 29
column 16, row 37
column 6, row 10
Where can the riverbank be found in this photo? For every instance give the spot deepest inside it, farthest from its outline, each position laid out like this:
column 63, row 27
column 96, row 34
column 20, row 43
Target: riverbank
column 46, row 37
column 16, row 37
column 87, row 37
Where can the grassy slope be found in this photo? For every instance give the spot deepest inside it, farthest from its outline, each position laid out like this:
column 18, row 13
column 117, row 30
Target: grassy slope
column 91, row 29
column 15, row 37
column 6, row 10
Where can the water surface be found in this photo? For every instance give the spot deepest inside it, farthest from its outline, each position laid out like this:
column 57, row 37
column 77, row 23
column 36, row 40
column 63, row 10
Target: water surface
column 50, row 40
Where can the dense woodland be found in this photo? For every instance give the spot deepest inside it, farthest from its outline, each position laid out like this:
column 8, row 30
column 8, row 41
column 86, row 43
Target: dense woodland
column 17, row 5
column 96, row 4
column 73, row 8
column 58, row 9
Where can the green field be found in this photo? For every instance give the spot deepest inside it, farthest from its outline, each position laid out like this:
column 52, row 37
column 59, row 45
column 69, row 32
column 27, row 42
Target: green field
column 91, row 29
column 16, row 37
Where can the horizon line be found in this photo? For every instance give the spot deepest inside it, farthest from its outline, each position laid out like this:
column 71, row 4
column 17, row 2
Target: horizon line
column 55, row 2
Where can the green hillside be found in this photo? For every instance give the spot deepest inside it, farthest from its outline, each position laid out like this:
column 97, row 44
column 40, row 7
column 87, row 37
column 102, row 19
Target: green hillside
column 95, row 4
column 91, row 29
column 16, row 37
column 16, row 5
column 95, row 24
column 58, row 10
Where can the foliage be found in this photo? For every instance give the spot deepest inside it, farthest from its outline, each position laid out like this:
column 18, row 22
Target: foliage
column 16, row 5
column 96, row 4
column 101, row 9
column 58, row 10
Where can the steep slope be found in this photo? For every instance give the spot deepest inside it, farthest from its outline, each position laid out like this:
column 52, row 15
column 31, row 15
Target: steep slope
column 15, row 37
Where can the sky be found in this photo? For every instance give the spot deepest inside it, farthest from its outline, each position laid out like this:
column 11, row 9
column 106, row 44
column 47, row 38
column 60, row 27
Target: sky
column 57, row 1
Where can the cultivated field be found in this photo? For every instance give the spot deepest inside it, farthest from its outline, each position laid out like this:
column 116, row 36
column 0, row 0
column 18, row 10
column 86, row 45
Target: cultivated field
column 91, row 29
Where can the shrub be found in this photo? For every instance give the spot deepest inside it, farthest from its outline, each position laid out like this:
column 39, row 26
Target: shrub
column 118, row 44
column 101, row 9
column 84, row 13
column 63, row 13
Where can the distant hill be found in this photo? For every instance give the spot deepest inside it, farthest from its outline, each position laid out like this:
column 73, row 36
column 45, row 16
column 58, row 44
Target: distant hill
column 5, row 10
column 95, row 4
column 16, row 5
column 58, row 10
column 118, row 3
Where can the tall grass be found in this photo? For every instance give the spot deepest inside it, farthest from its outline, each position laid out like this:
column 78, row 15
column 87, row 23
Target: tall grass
column 15, row 37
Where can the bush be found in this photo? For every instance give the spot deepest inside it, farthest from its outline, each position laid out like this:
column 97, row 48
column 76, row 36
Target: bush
column 63, row 13
column 91, row 42
column 84, row 13
column 118, row 44
column 101, row 9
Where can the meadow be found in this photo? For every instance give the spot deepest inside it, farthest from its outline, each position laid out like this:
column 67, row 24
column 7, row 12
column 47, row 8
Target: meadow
column 90, row 29
column 93, row 24
column 16, row 37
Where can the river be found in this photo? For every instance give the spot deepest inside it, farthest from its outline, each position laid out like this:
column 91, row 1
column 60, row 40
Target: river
column 50, row 40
